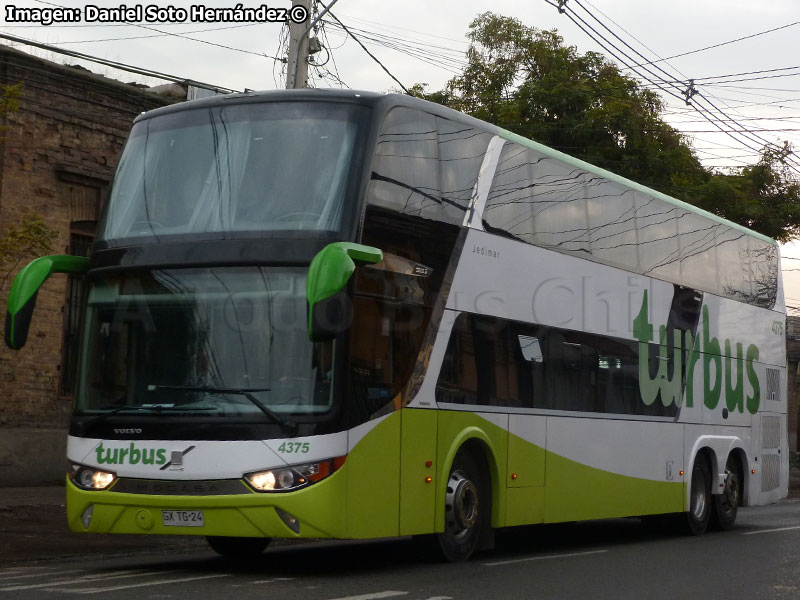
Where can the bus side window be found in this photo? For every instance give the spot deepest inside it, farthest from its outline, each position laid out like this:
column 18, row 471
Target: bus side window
column 483, row 366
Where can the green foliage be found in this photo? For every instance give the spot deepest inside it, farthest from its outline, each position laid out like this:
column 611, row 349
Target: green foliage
column 28, row 239
column 31, row 237
column 529, row 82
column 10, row 98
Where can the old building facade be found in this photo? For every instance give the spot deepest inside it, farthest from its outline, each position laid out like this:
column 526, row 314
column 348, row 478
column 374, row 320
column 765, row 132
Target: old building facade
column 57, row 158
column 793, row 379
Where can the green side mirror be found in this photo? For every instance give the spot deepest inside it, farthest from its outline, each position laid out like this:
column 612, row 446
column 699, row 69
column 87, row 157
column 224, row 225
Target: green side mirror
column 22, row 297
column 328, row 275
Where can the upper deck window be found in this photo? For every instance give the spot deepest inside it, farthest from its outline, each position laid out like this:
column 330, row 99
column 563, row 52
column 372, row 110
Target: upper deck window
column 426, row 166
column 234, row 168
column 556, row 205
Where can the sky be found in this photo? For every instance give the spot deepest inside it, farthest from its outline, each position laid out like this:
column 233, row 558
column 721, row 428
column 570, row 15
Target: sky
column 423, row 41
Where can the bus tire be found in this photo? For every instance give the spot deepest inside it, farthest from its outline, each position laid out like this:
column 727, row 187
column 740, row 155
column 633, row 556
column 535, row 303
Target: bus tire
column 466, row 507
column 237, row 547
column 699, row 513
column 726, row 504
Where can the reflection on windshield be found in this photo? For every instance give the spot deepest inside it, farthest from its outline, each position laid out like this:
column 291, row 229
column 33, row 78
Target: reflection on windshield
column 252, row 167
column 186, row 338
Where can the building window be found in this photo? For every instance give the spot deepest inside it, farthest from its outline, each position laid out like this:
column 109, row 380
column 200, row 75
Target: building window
column 80, row 241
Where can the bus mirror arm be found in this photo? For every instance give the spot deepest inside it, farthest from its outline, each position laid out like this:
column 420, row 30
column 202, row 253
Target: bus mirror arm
column 22, row 297
column 328, row 276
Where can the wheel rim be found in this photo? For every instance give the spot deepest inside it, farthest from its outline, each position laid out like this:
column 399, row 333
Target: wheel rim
column 698, row 495
column 461, row 505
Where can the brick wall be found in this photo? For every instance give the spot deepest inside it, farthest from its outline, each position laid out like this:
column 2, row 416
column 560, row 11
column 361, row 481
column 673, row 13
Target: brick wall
column 56, row 159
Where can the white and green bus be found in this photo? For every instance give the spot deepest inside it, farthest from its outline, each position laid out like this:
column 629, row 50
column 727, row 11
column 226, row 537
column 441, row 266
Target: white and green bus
column 330, row 314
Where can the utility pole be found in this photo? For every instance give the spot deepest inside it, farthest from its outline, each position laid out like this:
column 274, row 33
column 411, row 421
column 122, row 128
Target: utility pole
column 297, row 63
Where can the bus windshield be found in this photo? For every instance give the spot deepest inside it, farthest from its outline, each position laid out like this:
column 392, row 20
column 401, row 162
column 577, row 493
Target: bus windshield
column 217, row 341
column 236, row 168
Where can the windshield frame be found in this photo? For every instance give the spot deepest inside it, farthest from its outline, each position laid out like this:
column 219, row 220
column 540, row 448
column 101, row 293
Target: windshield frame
column 170, row 410
column 358, row 114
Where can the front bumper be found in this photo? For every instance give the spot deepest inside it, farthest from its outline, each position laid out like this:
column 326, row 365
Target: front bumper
column 319, row 508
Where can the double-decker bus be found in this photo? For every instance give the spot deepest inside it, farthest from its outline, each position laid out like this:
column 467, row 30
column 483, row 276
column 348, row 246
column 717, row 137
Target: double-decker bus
column 331, row 314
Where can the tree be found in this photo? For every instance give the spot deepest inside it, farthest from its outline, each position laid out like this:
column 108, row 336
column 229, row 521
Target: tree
column 529, row 82
column 764, row 196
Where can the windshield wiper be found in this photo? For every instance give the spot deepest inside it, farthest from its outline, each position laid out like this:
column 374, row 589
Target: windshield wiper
column 150, row 408
column 288, row 426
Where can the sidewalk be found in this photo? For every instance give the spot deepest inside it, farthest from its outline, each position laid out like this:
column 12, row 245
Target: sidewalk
column 52, row 495
column 33, row 526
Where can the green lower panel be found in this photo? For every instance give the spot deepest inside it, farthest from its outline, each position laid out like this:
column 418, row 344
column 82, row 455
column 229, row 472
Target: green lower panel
column 524, row 506
column 576, row 492
column 373, row 494
column 418, row 450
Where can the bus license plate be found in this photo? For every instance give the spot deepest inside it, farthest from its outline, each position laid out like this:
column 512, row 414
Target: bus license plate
column 183, row 518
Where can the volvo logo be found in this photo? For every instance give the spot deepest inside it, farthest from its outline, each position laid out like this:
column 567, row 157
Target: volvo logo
column 122, row 430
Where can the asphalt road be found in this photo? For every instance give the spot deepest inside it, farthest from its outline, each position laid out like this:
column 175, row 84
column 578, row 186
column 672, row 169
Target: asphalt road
column 621, row 559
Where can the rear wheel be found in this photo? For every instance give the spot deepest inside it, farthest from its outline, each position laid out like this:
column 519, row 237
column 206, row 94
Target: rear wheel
column 699, row 497
column 726, row 504
column 237, row 547
column 466, row 509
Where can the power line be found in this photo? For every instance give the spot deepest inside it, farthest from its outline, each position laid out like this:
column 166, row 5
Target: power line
column 746, row 37
column 665, row 73
column 178, row 35
column 660, row 87
column 742, row 131
column 114, row 64
column 155, row 35
column 430, row 55
column 395, row 28
column 761, row 72
column 372, row 56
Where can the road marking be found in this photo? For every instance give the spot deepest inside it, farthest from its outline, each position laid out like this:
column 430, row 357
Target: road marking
column 77, row 580
column 375, row 596
column 271, row 580
column 771, row 530
column 532, row 558
column 146, row 584
column 4, row 578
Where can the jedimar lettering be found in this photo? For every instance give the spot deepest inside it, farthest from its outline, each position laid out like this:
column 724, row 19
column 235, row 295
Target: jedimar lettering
column 700, row 347
column 130, row 455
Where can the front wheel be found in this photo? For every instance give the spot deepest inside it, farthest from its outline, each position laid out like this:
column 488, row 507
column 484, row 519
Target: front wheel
column 237, row 547
column 466, row 510
column 726, row 504
column 699, row 497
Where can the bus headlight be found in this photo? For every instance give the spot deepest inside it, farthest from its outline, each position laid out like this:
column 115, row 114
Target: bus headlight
column 286, row 479
column 89, row 478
